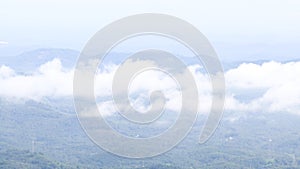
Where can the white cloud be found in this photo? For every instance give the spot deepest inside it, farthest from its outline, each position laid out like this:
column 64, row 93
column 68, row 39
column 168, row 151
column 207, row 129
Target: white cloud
column 6, row 72
column 148, row 81
column 270, row 87
column 49, row 81
column 279, row 82
column 3, row 43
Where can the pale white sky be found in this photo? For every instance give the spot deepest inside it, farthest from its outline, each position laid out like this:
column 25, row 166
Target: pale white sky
column 238, row 29
column 70, row 23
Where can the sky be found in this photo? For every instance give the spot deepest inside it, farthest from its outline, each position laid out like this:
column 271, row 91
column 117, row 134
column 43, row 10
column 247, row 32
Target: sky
column 238, row 29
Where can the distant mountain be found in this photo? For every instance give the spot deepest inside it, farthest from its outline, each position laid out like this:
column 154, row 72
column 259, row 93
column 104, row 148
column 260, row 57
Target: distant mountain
column 28, row 62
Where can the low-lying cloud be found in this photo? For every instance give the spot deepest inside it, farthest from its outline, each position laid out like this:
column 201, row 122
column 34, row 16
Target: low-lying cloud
column 3, row 43
column 275, row 85
column 50, row 80
column 267, row 87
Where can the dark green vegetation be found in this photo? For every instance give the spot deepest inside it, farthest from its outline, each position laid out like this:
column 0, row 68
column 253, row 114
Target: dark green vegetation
column 47, row 134
column 11, row 158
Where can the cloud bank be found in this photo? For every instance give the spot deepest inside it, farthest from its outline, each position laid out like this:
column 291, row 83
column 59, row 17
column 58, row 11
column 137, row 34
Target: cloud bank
column 275, row 87
column 268, row 87
column 3, row 43
column 50, row 80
